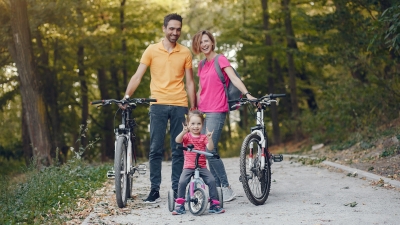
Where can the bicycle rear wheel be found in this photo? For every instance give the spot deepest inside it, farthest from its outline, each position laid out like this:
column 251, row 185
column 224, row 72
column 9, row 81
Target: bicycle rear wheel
column 256, row 181
column 121, row 177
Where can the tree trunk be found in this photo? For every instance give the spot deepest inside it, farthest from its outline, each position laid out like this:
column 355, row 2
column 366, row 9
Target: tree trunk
column 84, row 96
column 32, row 100
column 107, row 143
column 26, row 142
column 270, row 79
column 123, row 42
column 50, row 95
column 291, row 46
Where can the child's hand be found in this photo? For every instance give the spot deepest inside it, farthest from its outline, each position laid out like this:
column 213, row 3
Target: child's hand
column 185, row 128
column 209, row 134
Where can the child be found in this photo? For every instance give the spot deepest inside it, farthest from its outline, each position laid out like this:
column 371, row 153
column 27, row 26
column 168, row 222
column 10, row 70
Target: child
column 191, row 135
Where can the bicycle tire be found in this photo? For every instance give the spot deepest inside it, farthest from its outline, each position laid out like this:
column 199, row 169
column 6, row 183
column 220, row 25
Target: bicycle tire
column 121, row 177
column 256, row 181
column 220, row 197
column 198, row 204
column 171, row 200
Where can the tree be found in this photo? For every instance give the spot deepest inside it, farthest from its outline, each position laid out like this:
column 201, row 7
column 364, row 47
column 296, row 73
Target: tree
column 32, row 101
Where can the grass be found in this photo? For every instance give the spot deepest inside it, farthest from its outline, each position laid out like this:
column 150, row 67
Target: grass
column 47, row 194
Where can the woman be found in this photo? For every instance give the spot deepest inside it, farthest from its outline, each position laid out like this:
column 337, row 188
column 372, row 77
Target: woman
column 211, row 89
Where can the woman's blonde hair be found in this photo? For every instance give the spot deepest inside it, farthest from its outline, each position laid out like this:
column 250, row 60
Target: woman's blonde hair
column 196, row 41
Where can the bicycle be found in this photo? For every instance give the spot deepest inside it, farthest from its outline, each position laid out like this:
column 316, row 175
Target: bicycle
column 124, row 148
column 197, row 196
column 255, row 158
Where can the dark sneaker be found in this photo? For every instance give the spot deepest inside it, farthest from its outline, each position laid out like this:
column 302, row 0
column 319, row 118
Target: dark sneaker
column 153, row 197
column 216, row 209
column 179, row 210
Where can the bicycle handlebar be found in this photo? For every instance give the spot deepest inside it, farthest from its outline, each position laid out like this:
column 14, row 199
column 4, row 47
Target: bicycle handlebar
column 190, row 149
column 124, row 101
column 264, row 100
column 268, row 97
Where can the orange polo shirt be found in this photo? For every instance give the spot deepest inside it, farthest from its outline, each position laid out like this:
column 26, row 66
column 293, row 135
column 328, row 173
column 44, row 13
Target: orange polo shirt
column 167, row 73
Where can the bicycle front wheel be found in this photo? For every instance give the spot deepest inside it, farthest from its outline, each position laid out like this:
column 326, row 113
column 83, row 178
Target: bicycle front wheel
column 198, row 204
column 121, row 176
column 256, row 181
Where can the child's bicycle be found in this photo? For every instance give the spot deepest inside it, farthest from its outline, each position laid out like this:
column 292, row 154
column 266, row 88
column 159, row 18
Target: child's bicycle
column 125, row 154
column 197, row 196
column 255, row 158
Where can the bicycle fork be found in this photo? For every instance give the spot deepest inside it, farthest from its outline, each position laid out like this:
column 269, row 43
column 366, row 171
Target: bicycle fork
column 130, row 170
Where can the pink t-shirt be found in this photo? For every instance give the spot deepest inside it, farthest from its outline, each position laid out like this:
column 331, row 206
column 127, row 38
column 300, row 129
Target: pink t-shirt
column 212, row 95
column 200, row 144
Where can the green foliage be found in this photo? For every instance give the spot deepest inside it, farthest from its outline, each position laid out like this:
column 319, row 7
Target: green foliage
column 392, row 150
column 47, row 194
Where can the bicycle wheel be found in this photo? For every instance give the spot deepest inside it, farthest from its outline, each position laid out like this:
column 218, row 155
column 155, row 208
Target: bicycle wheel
column 171, row 200
column 220, row 197
column 129, row 186
column 198, row 204
column 256, row 181
column 121, row 177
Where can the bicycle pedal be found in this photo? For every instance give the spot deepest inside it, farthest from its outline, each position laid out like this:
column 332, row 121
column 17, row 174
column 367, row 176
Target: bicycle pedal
column 277, row 158
column 110, row 174
column 141, row 169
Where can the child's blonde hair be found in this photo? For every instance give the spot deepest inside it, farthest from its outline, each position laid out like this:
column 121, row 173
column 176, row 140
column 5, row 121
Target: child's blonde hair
column 196, row 113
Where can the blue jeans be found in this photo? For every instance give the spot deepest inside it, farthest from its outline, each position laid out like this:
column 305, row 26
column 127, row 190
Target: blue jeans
column 159, row 116
column 215, row 121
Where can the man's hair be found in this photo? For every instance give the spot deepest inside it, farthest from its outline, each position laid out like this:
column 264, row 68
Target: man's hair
column 172, row 16
column 196, row 40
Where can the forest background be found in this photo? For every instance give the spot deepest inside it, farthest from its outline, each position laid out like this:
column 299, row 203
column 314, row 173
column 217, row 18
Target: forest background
column 337, row 61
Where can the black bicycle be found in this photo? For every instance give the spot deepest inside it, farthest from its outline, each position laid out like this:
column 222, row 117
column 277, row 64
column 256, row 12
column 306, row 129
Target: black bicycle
column 255, row 158
column 125, row 154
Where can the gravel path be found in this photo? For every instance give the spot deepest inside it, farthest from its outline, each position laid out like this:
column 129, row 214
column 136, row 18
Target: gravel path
column 299, row 195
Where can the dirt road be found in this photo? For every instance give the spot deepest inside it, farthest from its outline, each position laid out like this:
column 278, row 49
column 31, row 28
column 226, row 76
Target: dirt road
column 299, row 195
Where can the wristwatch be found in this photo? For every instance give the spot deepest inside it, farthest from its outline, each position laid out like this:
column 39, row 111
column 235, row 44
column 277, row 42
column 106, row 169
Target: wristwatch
column 126, row 97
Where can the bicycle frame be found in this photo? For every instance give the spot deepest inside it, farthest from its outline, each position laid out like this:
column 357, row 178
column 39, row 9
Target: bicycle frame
column 196, row 178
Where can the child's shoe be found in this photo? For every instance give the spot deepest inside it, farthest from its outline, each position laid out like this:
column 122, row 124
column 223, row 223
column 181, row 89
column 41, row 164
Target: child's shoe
column 215, row 208
column 179, row 210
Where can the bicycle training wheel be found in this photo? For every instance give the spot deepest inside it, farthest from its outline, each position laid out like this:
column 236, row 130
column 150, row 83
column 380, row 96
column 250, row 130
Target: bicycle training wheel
column 256, row 181
column 198, row 204
column 121, row 177
column 171, row 200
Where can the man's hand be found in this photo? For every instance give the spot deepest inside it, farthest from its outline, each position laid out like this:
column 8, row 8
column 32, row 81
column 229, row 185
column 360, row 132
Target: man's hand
column 123, row 106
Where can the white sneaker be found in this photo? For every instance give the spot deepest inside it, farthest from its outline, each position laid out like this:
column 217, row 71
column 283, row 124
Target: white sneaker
column 228, row 194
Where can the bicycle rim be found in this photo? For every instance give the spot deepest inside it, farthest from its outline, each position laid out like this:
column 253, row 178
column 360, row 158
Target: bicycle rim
column 121, row 177
column 256, row 181
column 199, row 202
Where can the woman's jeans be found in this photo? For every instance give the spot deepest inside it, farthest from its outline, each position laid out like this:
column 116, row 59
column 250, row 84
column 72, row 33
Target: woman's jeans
column 159, row 116
column 215, row 122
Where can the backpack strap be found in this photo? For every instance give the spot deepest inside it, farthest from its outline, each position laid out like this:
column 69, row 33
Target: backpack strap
column 202, row 63
column 221, row 76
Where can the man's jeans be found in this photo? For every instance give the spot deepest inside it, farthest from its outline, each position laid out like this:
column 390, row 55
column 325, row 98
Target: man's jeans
column 215, row 121
column 159, row 116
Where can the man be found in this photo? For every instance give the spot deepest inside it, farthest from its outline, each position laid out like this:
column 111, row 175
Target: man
column 169, row 64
